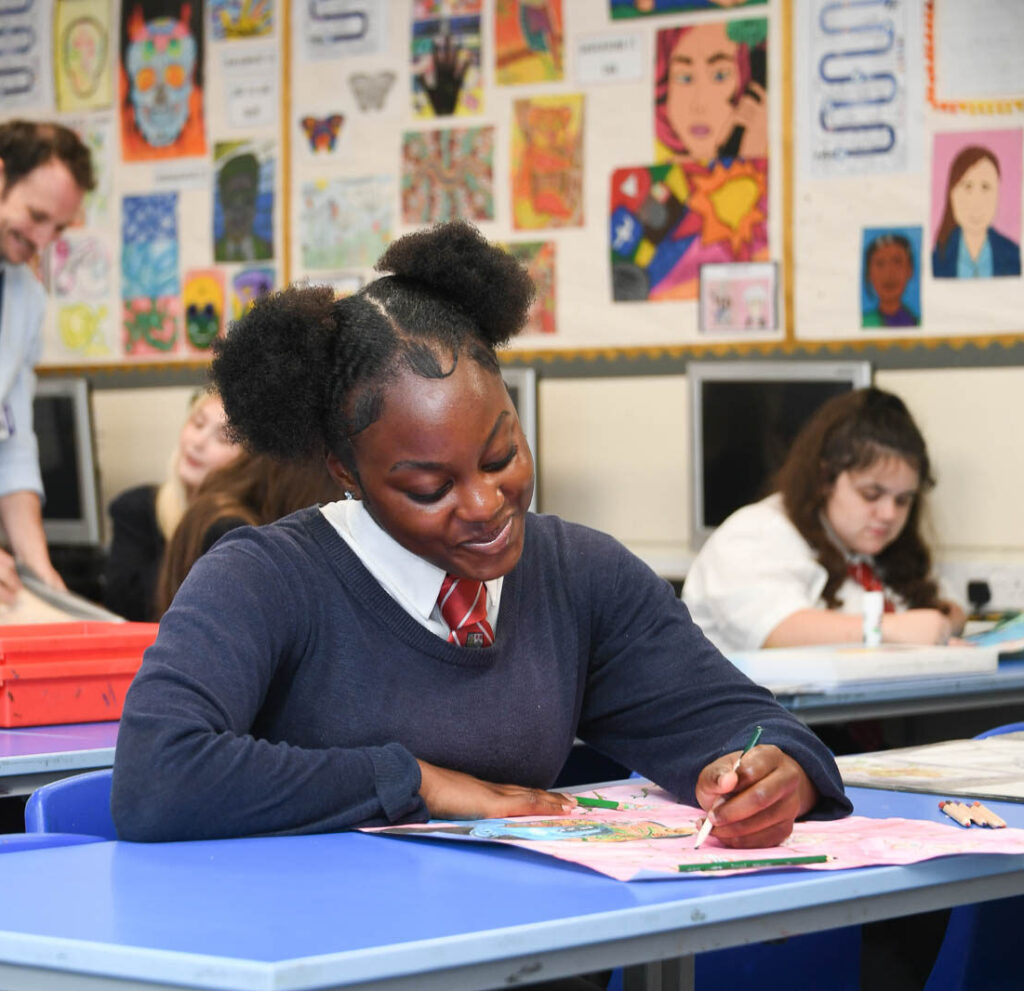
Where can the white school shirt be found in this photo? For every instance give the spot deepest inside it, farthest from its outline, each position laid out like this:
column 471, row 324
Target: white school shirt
column 412, row 582
column 754, row 571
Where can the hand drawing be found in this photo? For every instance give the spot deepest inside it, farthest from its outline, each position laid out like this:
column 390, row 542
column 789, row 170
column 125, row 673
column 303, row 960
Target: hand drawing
column 449, row 63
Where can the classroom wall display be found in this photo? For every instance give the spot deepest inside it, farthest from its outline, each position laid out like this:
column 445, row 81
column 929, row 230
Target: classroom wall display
column 81, row 41
column 621, row 147
column 26, row 75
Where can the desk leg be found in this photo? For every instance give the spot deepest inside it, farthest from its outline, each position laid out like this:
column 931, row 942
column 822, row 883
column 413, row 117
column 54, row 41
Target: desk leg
column 675, row 974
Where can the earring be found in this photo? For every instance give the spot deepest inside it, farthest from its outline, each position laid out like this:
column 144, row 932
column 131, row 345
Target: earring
column 348, row 495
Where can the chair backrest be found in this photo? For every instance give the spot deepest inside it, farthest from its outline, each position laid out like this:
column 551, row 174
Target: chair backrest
column 1000, row 730
column 79, row 804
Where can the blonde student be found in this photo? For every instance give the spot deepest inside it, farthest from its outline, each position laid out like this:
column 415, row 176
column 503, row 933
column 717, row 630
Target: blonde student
column 426, row 646
column 845, row 520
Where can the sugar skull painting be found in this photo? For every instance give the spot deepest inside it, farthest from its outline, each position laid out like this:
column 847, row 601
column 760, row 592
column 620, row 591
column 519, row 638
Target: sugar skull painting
column 161, row 80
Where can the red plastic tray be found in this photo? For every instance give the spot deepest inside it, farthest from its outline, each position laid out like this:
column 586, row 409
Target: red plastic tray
column 54, row 673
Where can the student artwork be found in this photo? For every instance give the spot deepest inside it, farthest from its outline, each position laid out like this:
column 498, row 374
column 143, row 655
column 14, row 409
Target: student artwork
column 891, row 278
column 645, row 8
column 25, row 66
column 78, row 266
column 97, row 133
column 149, row 274
column 976, row 204
column 83, row 330
column 343, row 283
column 231, row 20
column 161, row 80
column 528, row 40
column 247, row 286
column 738, row 296
column 203, row 297
column 447, row 174
column 81, row 34
column 547, row 162
column 445, row 68
column 322, row 132
column 858, row 95
column 336, row 29
column 639, row 833
column 669, row 220
column 539, row 259
column 243, row 202
column 371, row 89
column 345, row 223
column 710, row 92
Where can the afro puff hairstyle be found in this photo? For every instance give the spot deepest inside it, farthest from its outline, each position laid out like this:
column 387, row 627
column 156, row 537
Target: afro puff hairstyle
column 301, row 373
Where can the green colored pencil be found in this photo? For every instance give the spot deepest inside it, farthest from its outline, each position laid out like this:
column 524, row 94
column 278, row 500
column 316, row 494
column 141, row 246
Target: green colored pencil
column 596, row 803
column 729, row 865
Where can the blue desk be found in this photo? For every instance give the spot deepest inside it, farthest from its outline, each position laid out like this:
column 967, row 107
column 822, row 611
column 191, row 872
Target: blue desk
column 348, row 909
column 911, row 696
column 34, row 755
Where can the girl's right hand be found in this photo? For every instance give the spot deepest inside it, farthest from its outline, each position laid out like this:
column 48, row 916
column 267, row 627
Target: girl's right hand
column 454, row 795
column 927, row 626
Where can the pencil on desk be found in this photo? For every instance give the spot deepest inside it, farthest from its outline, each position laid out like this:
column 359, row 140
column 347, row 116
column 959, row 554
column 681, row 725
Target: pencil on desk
column 729, row 865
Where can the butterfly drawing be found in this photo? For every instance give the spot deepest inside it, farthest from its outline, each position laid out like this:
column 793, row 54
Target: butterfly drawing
column 371, row 90
column 322, row 132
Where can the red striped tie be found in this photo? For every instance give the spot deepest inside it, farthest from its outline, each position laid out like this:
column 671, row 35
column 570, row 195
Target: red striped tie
column 463, row 606
column 866, row 576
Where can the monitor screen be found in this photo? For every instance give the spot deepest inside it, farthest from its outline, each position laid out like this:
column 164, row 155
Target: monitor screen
column 63, row 427
column 744, row 416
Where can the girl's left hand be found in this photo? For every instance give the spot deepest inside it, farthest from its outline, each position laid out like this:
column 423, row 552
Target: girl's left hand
column 757, row 805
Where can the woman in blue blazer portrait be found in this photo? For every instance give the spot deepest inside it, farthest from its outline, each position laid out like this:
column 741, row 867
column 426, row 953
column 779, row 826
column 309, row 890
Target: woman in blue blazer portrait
column 967, row 246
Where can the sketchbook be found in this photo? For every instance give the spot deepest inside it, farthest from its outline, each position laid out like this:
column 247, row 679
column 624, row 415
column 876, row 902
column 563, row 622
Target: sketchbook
column 820, row 668
column 989, row 768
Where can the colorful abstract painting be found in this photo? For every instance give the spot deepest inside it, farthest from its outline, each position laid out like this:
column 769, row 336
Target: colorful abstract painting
column 539, row 259
column 231, row 20
column 447, row 174
column 345, row 223
column 161, row 80
column 248, row 285
column 149, row 245
column 445, row 68
column 151, row 326
column 204, row 300
column 243, row 202
column 83, row 330
column 668, row 220
column 81, row 40
column 528, row 41
column 547, row 162
column 621, row 9
column 321, row 133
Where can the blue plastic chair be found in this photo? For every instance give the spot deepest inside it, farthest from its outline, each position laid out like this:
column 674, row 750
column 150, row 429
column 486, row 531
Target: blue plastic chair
column 980, row 950
column 79, row 804
column 14, row 842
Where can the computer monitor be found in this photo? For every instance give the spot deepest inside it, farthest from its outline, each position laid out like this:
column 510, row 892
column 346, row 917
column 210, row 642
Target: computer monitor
column 743, row 418
column 522, row 387
column 63, row 426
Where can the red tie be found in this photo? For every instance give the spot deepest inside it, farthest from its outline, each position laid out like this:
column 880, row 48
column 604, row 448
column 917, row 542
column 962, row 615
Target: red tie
column 865, row 576
column 463, row 606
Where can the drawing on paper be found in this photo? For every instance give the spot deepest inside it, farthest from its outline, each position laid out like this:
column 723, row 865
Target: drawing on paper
column 77, row 266
column 539, row 259
column 151, row 326
column 738, row 296
column 234, row 19
column 97, row 133
column 445, row 67
column 371, row 88
column 528, row 40
column 322, row 132
column 976, row 204
column 645, row 8
column 25, row 63
column 547, row 162
column 247, row 286
column 345, row 223
column 710, row 92
column 82, row 74
column 891, row 277
column 83, row 330
column 337, row 29
column 203, row 296
column 161, row 80
column 243, row 202
column 447, row 174
column 149, row 249
column 669, row 220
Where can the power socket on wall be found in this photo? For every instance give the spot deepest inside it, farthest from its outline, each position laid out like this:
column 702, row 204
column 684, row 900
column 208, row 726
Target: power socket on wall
column 1005, row 581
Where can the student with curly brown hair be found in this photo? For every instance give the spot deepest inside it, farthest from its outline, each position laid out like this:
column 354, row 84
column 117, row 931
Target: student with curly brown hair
column 426, row 647
column 846, row 518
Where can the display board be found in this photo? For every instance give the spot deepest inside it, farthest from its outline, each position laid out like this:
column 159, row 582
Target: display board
column 680, row 176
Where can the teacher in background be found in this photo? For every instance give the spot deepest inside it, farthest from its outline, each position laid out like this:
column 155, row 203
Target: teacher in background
column 45, row 170
column 845, row 518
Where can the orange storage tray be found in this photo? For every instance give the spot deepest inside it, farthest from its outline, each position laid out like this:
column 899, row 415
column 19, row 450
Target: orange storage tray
column 68, row 672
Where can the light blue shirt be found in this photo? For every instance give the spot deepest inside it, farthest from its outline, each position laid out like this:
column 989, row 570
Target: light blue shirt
column 412, row 582
column 969, row 268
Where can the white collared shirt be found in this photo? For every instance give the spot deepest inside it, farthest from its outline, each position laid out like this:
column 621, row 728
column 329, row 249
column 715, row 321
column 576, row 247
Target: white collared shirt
column 411, row 581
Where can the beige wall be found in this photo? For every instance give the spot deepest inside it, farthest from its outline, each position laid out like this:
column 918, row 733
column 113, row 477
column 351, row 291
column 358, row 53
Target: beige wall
column 613, row 453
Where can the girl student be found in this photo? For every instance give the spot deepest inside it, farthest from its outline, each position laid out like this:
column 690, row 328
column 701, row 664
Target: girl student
column 845, row 518
column 426, row 647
